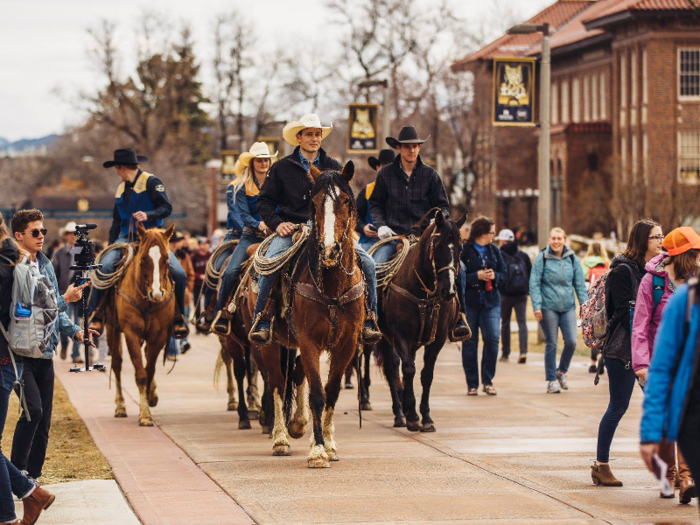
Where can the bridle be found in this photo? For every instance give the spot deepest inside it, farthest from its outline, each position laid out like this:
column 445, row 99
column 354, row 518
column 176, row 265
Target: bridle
column 435, row 237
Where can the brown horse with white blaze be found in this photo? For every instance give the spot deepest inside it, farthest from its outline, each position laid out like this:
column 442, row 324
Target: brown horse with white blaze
column 142, row 311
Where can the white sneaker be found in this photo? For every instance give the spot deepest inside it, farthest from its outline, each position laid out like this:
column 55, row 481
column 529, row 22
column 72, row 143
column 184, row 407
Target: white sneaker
column 563, row 380
column 553, row 388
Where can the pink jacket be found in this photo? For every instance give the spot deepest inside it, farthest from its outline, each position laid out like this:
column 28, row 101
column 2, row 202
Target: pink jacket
column 646, row 319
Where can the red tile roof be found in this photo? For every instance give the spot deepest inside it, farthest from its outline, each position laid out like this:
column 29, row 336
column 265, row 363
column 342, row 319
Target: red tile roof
column 618, row 6
column 556, row 15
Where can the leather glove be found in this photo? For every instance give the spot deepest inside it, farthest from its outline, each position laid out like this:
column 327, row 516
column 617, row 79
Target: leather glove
column 384, row 232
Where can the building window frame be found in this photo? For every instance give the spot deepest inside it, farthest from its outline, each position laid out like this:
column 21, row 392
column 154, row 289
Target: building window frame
column 695, row 75
column 576, row 100
column 689, row 156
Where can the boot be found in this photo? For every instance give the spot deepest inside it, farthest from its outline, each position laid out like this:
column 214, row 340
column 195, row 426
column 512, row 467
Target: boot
column 687, row 486
column 203, row 324
column 461, row 331
column 38, row 501
column 602, row 475
column 261, row 331
column 371, row 333
column 221, row 326
column 180, row 328
column 667, row 452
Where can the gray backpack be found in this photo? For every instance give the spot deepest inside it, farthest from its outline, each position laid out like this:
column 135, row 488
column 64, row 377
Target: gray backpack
column 33, row 311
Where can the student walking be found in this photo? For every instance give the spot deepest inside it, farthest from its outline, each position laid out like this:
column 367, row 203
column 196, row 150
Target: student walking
column 665, row 273
column 514, row 293
column 595, row 264
column 628, row 269
column 556, row 277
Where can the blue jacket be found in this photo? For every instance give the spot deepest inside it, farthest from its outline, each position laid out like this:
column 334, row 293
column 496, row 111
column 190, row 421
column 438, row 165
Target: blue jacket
column 663, row 411
column 247, row 207
column 553, row 281
column 233, row 218
column 475, row 294
column 65, row 325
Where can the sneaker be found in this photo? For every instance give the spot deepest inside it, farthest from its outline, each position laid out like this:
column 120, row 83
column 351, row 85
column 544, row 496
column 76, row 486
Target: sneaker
column 504, row 359
column 185, row 347
column 593, row 369
column 563, row 380
column 522, row 359
column 553, row 388
column 349, row 385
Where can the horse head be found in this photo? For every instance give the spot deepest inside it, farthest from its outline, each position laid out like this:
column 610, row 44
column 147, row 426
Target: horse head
column 443, row 254
column 333, row 211
column 151, row 260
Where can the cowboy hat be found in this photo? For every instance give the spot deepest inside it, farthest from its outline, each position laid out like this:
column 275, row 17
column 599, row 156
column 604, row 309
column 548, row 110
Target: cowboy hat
column 407, row 135
column 289, row 133
column 125, row 156
column 386, row 156
column 69, row 228
column 259, row 150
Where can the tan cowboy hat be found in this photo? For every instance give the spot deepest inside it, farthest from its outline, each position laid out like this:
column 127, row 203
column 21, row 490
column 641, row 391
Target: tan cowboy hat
column 289, row 133
column 258, row 150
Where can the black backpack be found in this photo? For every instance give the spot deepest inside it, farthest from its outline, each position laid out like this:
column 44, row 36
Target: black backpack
column 517, row 282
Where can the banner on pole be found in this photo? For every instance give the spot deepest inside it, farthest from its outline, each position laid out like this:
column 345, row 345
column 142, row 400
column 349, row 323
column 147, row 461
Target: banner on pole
column 514, row 91
column 362, row 128
column 228, row 162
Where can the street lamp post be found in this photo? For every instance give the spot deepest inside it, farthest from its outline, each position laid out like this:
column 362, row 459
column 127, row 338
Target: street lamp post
column 385, row 101
column 544, row 203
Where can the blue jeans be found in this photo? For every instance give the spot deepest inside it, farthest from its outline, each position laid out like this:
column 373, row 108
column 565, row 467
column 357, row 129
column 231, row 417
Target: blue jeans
column 207, row 292
column 551, row 323
column 110, row 261
column 12, row 481
column 621, row 385
column 488, row 320
column 279, row 245
column 369, row 242
column 175, row 344
column 386, row 252
column 74, row 314
column 233, row 270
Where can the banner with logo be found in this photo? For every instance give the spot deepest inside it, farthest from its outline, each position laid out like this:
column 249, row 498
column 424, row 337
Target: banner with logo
column 228, row 162
column 514, row 91
column 362, row 128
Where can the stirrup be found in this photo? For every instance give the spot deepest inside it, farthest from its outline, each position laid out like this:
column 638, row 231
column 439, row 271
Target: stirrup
column 460, row 334
column 371, row 334
column 186, row 329
column 260, row 337
column 216, row 321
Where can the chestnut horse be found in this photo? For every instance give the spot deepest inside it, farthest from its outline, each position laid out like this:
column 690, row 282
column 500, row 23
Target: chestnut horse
column 142, row 311
column 327, row 313
column 421, row 305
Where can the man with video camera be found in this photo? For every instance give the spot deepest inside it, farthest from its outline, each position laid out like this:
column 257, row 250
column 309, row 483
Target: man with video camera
column 140, row 198
column 32, row 434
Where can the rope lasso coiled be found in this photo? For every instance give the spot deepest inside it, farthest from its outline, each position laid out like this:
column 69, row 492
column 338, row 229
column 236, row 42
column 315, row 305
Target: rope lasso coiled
column 388, row 270
column 269, row 265
column 211, row 274
column 103, row 281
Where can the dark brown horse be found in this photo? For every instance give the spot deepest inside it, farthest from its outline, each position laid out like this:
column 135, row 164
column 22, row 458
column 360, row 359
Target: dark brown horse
column 327, row 314
column 418, row 309
column 142, row 311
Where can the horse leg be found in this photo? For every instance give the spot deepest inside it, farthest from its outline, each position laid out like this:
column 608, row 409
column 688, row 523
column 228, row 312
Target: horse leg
column 230, row 380
column 335, row 377
column 280, row 440
column 408, row 368
column 253, row 395
column 426, row 379
column 134, row 345
column 364, row 379
column 391, row 372
column 317, row 458
column 268, row 409
column 153, row 348
column 239, row 369
column 114, row 338
column 300, row 420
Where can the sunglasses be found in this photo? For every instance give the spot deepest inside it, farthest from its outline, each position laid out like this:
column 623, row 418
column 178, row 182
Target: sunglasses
column 36, row 232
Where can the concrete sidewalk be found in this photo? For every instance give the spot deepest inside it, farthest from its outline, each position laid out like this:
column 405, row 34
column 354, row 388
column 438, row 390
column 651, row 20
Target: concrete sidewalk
column 161, row 482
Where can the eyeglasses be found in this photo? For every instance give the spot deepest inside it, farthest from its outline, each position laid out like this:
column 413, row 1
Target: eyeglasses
column 36, row 232
column 657, row 237
column 491, row 233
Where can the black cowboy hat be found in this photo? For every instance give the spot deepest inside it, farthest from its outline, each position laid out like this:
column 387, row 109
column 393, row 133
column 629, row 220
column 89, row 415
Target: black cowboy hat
column 125, row 156
column 386, row 156
column 177, row 237
column 407, row 135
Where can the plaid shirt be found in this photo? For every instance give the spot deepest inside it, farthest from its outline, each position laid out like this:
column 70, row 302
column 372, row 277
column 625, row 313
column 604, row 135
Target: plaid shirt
column 399, row 201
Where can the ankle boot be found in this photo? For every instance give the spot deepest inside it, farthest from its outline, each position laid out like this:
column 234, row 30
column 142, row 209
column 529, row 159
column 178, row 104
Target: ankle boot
column 602, row 475
column 39, row 500
column 687, row 486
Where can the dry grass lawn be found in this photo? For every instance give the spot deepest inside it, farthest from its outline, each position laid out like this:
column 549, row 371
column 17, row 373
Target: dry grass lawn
column 72, row 454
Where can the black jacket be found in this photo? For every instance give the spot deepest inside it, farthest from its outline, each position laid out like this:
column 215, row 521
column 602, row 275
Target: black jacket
column 288, row 186
column 9, row 250
column 511, row 250
column 475, row 294
column 62, row 260
column 399, row 201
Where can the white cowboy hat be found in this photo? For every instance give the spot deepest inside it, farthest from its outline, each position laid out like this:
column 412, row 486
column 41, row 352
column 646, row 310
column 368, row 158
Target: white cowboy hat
column 69, row 227
column 289, row 133
column 259, row 150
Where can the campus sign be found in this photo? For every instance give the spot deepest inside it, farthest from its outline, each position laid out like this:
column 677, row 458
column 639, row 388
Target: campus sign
column 514, row 91
column 362, row 132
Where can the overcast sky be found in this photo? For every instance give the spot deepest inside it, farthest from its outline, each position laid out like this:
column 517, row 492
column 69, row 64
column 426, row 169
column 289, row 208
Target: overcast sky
column 44, row 63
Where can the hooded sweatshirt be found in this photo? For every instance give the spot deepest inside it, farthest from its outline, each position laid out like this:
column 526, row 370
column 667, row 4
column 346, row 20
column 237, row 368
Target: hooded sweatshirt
column 647, row 317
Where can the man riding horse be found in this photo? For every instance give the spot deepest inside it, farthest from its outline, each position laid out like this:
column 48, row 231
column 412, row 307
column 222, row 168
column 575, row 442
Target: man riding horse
column 284, row 202
column 140, row 199
column 404, row 192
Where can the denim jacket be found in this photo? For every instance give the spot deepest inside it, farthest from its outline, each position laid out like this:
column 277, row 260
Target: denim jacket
column 475, row 294
column 65, row 325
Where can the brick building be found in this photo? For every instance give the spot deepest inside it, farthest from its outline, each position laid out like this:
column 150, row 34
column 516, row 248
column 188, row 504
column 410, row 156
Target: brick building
column 625, row 134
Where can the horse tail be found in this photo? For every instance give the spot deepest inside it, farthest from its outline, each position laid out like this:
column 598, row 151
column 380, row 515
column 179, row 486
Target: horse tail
column 218, row 367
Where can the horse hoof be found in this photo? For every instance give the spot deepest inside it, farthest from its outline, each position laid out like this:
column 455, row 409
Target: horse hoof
column 153, row 402
column 244, row 425
column 319, row 463
column 120, row 412
column 366, row 406
column 399, row 422
column 413, row 426
column 296, row 430
column 266, row 430
column 428, row 427
column 332, row 456
column 254, row 414
column 281, row 450
column 145, row 422
column 232, row 406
